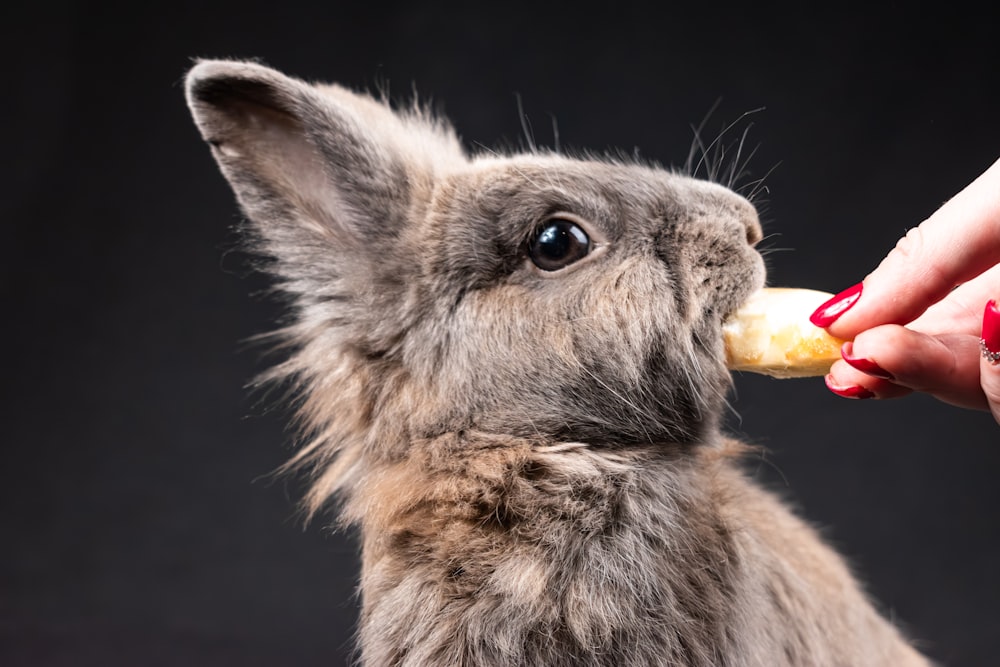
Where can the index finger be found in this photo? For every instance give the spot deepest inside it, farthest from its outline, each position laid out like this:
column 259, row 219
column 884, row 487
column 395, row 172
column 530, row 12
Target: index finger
column 955, row 244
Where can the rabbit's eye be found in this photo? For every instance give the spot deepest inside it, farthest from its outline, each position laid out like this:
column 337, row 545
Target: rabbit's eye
column 558, row 244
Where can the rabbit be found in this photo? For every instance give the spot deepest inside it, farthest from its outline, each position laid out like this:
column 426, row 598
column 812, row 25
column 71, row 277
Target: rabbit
column 509, row 376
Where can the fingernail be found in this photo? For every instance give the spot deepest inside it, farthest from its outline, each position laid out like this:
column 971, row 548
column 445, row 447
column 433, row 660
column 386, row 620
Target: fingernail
column 828, row 313
column 862, row 364
column 990, row 342
column 854, row 391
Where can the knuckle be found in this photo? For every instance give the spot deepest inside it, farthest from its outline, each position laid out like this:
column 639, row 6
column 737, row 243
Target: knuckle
column 922, row 261
column 911, row 246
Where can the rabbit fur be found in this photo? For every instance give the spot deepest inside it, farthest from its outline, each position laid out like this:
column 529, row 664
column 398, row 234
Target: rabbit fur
column 533, row 456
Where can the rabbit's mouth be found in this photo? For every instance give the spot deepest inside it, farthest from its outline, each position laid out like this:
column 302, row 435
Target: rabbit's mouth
column 742, row 286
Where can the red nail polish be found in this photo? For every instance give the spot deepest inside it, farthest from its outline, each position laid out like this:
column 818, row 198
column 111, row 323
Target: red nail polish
column 991, row 328
column 855, row 391
column 862, row 364
column 828, row 313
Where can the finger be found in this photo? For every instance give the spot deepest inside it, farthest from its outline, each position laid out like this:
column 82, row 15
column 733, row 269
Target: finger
column 989, row 368
column 897, row 358
column 958, row 242
column 848, row 382
column 962, row 310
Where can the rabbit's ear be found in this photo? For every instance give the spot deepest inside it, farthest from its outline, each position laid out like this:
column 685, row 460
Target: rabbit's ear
column 335, row 164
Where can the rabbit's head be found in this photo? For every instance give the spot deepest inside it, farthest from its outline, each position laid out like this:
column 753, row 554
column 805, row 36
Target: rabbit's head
column 529, row 295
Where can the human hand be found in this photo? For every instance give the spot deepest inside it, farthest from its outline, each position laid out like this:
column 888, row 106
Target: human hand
column 938, row 349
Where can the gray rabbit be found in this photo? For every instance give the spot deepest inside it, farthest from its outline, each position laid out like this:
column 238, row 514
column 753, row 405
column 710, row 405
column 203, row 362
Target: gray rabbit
column 511, row 375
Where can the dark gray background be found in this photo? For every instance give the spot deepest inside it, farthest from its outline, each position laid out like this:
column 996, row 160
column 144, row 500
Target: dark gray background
column 140, row 522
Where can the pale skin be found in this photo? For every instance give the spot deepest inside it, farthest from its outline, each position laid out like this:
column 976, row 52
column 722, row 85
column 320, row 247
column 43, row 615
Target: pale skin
column 920, row 314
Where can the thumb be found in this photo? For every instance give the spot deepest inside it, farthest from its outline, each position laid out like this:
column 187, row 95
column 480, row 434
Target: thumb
column 989, row 365
column 957, row 243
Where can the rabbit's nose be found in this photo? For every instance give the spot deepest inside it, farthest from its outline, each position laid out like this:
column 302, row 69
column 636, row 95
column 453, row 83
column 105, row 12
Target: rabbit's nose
column 754, row 231
column 746, row 214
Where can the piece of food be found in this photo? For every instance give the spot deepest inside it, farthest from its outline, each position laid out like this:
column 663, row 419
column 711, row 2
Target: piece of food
column 771, row 334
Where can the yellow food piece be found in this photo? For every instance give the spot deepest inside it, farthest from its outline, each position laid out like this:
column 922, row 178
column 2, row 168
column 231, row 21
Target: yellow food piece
column 771, row 334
